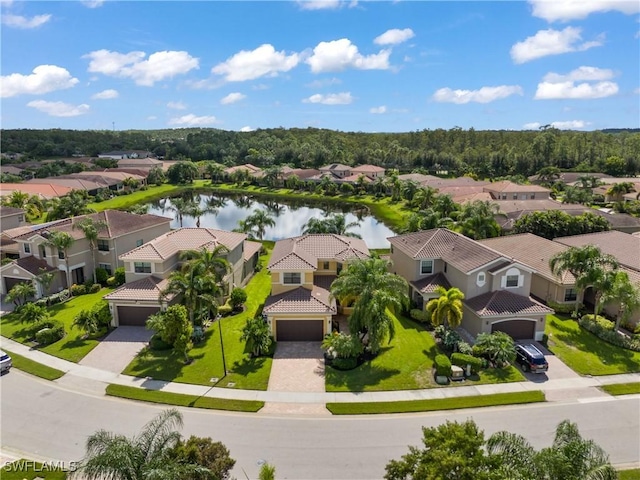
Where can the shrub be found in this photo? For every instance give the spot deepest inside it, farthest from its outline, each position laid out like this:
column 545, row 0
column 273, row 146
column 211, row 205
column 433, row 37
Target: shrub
column 462, row 360
column 77, row 290
column 497, row 346
column 225, row 310
column 602, row 322
column 443, row 366
column 101, row 276
column 340, row 345
column 95, row 288
column 450, row 339
column 111, row 282
column 344, row 363
column 610, row 336
column 48, row 335
column 464, row 348
column 419, row 315
column 58, row 297
column 42, row 302
column 565, row 308
column 119, row 276
column 156, row 343
column 198, row 335
column 237, row 298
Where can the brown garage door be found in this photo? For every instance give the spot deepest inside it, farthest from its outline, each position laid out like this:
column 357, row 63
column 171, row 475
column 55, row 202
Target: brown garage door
column 518, row 329
column 135, row 316
column 299, row 330
column 9, row 283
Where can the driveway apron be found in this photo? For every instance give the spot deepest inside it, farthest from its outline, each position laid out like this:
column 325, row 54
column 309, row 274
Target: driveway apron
column 118, row 349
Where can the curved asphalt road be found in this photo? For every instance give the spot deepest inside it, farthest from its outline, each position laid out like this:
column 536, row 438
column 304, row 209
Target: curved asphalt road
column 49, row 422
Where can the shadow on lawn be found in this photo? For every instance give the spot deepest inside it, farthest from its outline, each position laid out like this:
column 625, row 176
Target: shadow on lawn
column 358, row 379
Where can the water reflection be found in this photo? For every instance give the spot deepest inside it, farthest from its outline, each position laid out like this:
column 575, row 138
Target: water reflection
column 224, row 213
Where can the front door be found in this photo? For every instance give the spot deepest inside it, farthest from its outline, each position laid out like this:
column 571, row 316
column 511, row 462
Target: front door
column 78, row 275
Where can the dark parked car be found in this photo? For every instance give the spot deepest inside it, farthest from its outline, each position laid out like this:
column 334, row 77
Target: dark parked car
column 531, row 359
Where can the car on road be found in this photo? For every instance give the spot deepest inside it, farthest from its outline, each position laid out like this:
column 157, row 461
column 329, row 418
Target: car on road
column 5, row 362
column 531, row 359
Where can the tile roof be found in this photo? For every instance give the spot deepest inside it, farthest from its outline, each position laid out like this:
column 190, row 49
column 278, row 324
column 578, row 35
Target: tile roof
column 356, row 178
column 48, row 190
column 335, row 167
column 508, row 206
column 151, row 162
column 502, row 303
column 456, row 249
column 114, row 175
column 303, row 173
column 184, row 239
column 472, row 197
column 31, row 264
column 8, row 211
column 509, row 187
column 148, row 289
column 302, row 300
column 367, row 168
column 304, row 252
column 416, row 177
column 250, row 248
column 430, row 283
column 532, row 251
column 623, row 246
column 452, row 182
column 11, row 169
column 72, row 183
column 247, row 166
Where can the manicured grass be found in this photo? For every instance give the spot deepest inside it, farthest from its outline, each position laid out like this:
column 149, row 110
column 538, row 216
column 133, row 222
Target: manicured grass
column 405, row 364
column 633, row 474
column 34, row 368
column 182, row 400
column 585, row 353
column 29, row 470
column 73, row 346
column 242, row 370
column 436, row 404
column 622, row 388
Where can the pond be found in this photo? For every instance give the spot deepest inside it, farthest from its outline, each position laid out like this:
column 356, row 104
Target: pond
column 224, row 213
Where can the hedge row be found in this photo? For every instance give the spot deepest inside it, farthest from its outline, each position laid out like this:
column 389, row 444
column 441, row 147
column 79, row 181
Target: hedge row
column 610, row 336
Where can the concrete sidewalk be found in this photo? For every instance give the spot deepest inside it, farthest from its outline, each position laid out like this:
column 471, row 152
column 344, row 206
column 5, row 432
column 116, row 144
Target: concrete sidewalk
column 85, row 378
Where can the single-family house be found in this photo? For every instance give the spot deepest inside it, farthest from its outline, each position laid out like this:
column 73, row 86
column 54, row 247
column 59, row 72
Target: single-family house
column 496, row 286
column 146, row 163
column 11, row 217
column 337, row 170
column 252, row 170
column 45, row 191
column 148, row 267
column 371, row 171
column 506, row 190
column 125, row 154
column 300, row 307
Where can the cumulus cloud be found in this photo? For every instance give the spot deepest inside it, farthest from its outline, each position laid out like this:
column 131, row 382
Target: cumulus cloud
column 551, row 42
column 59, row 109
column 105, row 95
column 568, row 125
column 18, row 21
column 158, row 66
column 152, row 117
column 193, row 121
column 176, row 106
column 571, row 90
column 343, row 98
column 232, row 98
column 247, row 128
column 380, row 109
column 483, row 95
column 580, row 74
column 394, row 36
column 327, row 82
column 339, row 55
column 92, row 3
column 565, row 10
column 43, row 79
column 252, row 64
column 319, row 4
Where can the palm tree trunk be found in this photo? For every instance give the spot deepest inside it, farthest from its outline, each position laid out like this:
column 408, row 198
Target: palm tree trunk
column 66, row 263
column 596, row 305
column 93, row 255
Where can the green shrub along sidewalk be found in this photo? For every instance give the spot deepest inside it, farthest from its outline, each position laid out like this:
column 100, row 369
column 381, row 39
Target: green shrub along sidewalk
column 454, row 403
column 34, row 368
column 182, row 400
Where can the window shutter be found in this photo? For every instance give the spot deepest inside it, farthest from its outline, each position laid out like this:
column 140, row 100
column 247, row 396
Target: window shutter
column 520, row 280
column 503, row 281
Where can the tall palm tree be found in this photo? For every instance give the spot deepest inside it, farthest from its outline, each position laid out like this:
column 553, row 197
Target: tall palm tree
column 617, row 190
column 376, row 293
column 423, row 197
column 145, row 456
column 624, row 292
column 62, row 242
column 181, row 206
column 336, row 224
column 447, row 308
column 260, row 220
column 91, row 228
column 215, row 171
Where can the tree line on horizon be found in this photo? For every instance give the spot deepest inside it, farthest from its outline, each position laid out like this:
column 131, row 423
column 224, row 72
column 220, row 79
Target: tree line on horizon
column 486, row 153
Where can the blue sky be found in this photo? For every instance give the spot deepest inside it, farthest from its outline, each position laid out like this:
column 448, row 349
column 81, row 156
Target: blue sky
column 345, row 65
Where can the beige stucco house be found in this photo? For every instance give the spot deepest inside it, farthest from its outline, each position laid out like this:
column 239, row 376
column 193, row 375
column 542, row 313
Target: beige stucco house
column 496, row 286
column 506, row 190
column 371, row 171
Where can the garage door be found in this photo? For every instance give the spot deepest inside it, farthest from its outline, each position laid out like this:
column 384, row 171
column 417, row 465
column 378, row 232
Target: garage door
column 9, row 283
column 135, row 316
column 518, row 329
column 299, row 330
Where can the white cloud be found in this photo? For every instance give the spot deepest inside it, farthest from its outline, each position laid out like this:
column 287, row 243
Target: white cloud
column 59, row 109
column 260, row 86
column 637, row 91
column 176, row 106
column 327, row 82
column 568, row 125
column 43, row 79
column 381, row 109
column 581, row 74
column 338, row 55
column 569, row 90
column 232, row 98
column 193, row 121
column 18, row 21
column 92, row 3
column 394, row 36
column 551, row 42
column 483, row 95
column 343, row 98
column 159, row 66
column 247, row 129
column 105, row 94
column 249, row 65
column 319, row 4
column 564, row 10
column 152, row 117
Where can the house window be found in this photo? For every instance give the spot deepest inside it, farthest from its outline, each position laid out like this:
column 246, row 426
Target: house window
column 512, row 281
column 105, row 266
column 533, row 196
column 445, row 267
column 20, row 218
column 325, row 265
column 27, row 248
column 61, row 254
column 426, row 266
column 103, row 245
column 570, row 295
column 481, row 279
column 292, row 278
column 515, row 196
column 503, row 196
column 139, row 242
column 43, row 251
column 391, row 251
column 142, row 267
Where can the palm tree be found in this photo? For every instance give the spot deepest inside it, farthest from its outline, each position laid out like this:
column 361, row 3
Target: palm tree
column 21, row 292
column 215, row 171
column 377, row 294
column 206, row 261
column 447, row 308
column 617, row 190
column 548, row 174
column 336, row 224
column 182, row 207
column 260, row 220
column 91, row 229
column 62, row 242
column 445, row 205
column 477, row 220
column 145, row 456
column 423, row 197
column 625, row 293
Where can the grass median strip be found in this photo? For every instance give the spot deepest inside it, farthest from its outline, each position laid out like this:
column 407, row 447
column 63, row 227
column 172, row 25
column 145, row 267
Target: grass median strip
column 622, row 388
column 182, row 400
column 34, row 368
column 436, row 404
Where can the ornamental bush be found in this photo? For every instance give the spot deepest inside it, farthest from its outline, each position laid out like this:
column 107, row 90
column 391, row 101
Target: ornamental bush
column 101, row 276
column 610, row 336
column 77, row 290
column 462, row 360
column 119, row 276
column 419, row 315
column 95, row 288
column 443, row 366
column 50, row 332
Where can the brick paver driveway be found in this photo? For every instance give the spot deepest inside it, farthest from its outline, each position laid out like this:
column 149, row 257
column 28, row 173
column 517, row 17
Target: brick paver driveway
column 118, row 349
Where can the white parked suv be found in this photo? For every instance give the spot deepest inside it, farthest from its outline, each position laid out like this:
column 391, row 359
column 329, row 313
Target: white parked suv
column 5, row 362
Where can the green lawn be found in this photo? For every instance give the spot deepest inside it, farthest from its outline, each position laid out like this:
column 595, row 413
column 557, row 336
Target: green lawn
column 633, row 474
column 29, row 470
column 367, row 408
column 34, row 368
column 245, row 372
column 72, row 347
column 622, row 388
column 405, row 364
column 585, row 353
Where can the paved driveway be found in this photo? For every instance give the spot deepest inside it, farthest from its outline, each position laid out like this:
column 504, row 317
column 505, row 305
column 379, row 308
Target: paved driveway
column 118, row 349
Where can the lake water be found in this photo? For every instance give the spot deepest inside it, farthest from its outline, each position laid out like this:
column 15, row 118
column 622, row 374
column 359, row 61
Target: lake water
column 290, row 217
